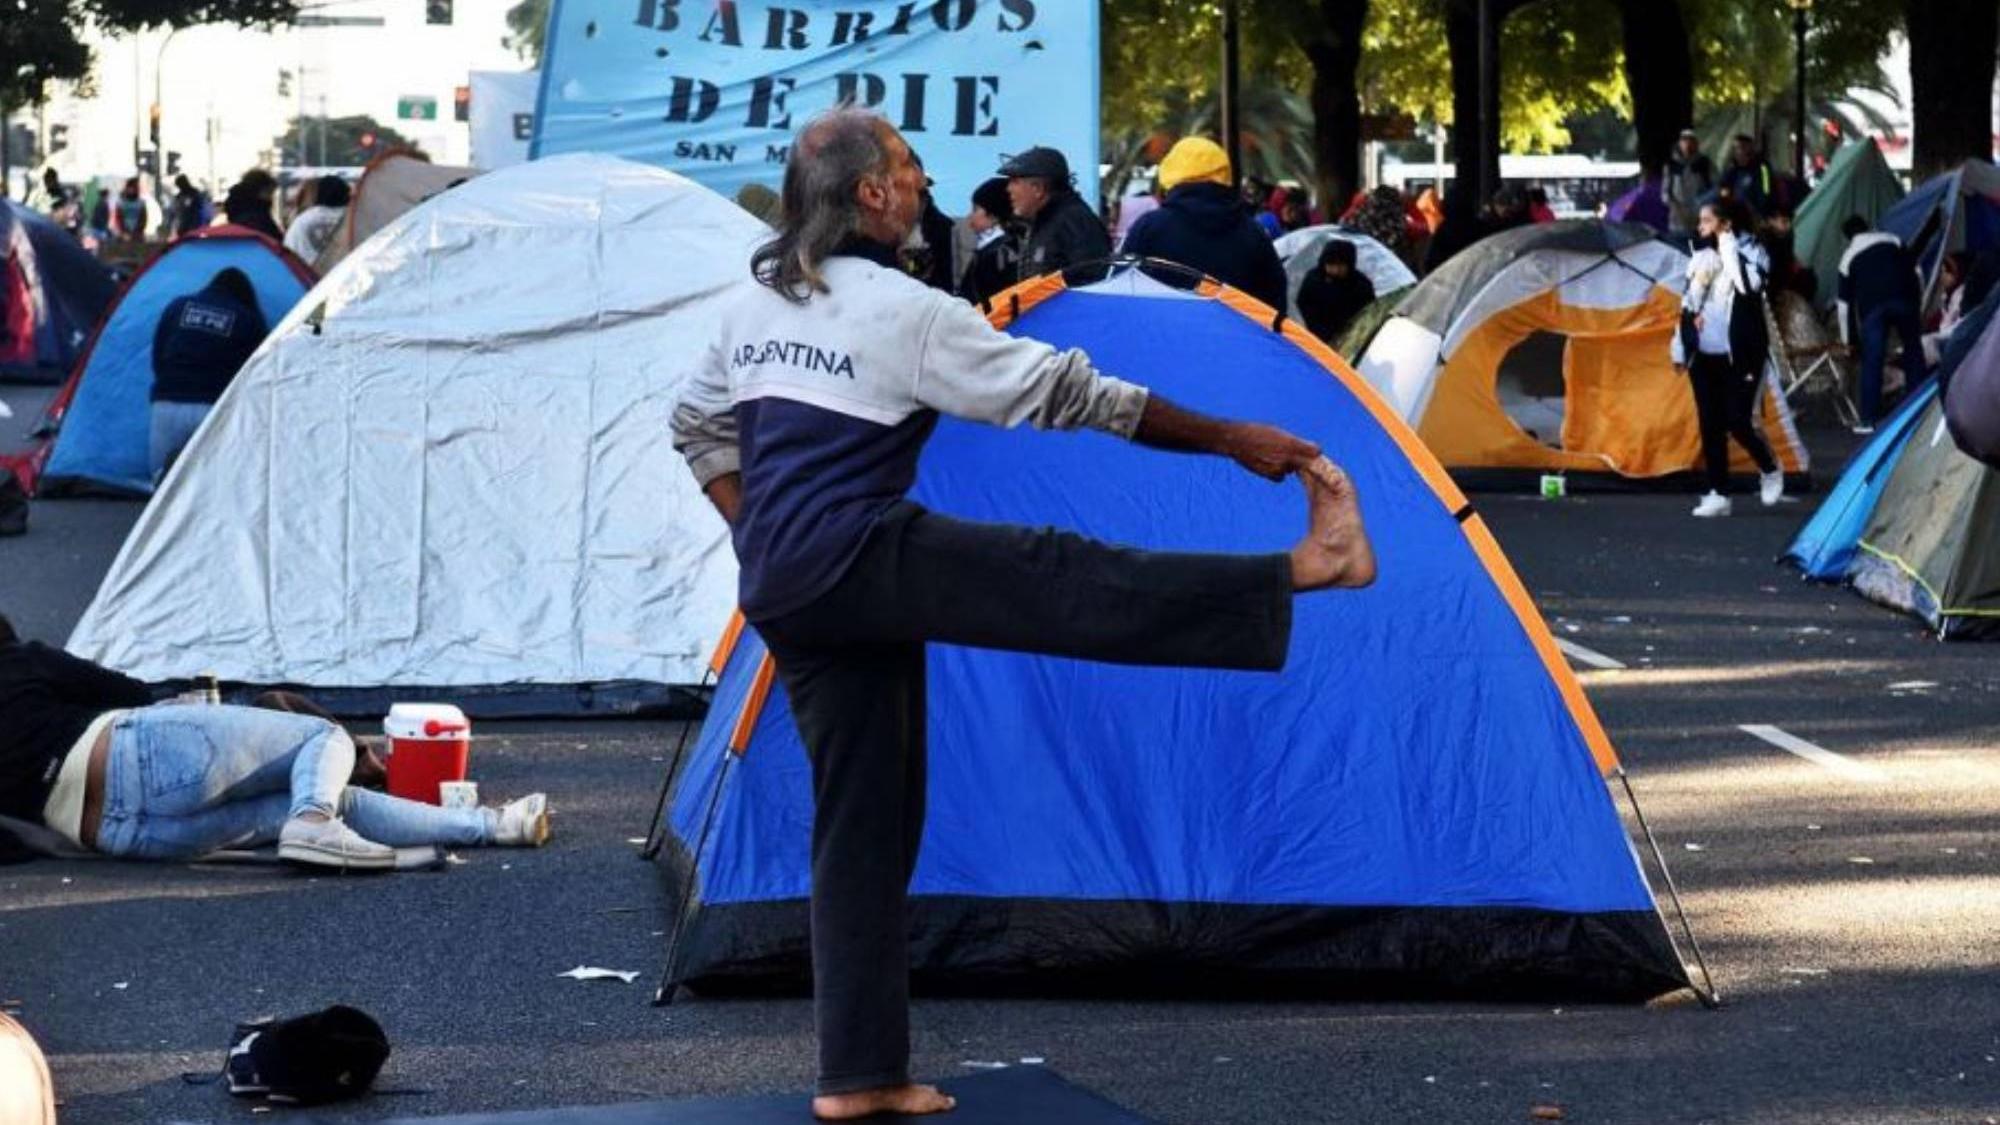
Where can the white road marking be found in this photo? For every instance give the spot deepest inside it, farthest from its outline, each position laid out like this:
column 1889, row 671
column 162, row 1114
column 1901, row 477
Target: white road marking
column 1791, row 743
column 1583, row 655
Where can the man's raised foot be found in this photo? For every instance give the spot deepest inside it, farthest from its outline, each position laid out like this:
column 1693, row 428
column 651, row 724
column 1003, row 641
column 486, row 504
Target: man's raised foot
column 911, row 1101
column 1335, row 551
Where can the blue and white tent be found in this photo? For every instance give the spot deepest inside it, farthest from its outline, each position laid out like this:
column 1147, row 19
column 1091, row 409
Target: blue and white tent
column 52, row 292
column 1959, row 210
column 1416, row 805
column 104, row 412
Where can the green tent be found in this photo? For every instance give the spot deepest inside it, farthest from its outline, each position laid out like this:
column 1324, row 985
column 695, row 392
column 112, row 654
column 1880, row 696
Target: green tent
column 1360, row 331
column 1932, row 547
column 1857, row 182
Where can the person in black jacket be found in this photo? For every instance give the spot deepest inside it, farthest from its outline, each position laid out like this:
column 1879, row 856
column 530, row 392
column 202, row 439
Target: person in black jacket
column 1062, row 230
column 1878, row 295
column 996, row 258
column 248, row 203
column 201, row 341
column 87, row 755
column 1202, row 224
column 1334, row 294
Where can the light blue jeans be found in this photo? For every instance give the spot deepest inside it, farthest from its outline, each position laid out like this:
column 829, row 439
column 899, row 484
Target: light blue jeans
column 185, row 779
column 173, row 423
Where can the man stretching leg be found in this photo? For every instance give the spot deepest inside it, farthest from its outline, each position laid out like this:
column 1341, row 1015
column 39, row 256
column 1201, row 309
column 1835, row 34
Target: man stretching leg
column 803, row 425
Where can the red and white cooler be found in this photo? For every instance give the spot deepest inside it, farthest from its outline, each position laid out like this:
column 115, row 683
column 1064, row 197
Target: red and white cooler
column 429, row 743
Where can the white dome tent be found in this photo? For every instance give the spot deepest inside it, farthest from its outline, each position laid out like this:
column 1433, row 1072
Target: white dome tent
column 449, row 468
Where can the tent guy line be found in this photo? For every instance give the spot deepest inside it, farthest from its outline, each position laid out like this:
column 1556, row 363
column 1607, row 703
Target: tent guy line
column 1589, row 656
column 1819, row 756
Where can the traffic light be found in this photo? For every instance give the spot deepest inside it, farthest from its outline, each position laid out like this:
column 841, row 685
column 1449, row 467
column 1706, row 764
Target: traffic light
column 367, row 142
column 461, row 103
column 20, row 142
column 284, row 83
column 437, row 11
column 58, row 138
column 153, row 122
column 173, row 162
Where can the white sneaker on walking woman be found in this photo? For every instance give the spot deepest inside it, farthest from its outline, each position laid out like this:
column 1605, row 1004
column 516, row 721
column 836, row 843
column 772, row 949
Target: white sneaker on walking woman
column 1712, row 504
column 1771, row 486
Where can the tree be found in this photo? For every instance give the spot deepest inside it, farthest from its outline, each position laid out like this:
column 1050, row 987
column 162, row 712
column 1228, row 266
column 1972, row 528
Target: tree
column 342, row 140
column 1952, row 59
column 527, row 28
column 39, row 40
column 1659, row 73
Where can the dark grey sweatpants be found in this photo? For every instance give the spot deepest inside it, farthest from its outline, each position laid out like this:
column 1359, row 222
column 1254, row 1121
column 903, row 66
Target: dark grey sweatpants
column 852, row 664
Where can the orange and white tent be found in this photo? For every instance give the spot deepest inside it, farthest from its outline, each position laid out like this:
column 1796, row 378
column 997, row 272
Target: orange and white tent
column 1548, row 348
column 392, row 184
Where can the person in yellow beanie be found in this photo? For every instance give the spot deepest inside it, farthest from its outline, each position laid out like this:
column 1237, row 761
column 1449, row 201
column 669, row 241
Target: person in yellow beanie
column 1202, row 224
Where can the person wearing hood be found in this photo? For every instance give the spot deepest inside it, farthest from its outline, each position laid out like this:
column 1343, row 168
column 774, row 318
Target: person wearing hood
column 1062, row 230
column 996, row 259
column 201, row 341
column 1202, row 224
column 1334, row 294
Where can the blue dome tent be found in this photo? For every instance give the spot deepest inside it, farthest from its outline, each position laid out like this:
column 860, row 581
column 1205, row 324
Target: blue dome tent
column 52, row 292
column 1416, row 805
column 1957, row 210
column 104, row 411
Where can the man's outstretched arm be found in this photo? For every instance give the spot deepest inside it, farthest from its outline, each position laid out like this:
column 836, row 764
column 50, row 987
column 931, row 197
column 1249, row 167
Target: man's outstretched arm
column 1268, row 451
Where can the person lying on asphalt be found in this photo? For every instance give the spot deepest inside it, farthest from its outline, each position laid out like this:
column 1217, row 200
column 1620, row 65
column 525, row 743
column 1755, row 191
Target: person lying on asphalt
column 87, row 752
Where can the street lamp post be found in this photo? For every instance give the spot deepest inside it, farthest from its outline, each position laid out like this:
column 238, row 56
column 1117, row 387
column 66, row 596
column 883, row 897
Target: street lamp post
column 1799, row 134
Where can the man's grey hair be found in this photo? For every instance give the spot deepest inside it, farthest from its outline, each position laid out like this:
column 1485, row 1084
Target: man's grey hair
column 832, row 155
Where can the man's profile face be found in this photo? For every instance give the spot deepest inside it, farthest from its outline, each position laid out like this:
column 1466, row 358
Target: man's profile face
column 1028, row 194
column 901, row 185
column 1690, row 146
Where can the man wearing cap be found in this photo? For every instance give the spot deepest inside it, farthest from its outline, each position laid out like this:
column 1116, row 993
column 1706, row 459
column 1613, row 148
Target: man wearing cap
column 1690, row 177
column 1203, row 224
column 804, row 425
column 1062, row 229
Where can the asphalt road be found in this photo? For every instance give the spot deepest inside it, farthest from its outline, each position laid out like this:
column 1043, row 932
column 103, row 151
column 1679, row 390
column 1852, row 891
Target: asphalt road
column 1851, row 917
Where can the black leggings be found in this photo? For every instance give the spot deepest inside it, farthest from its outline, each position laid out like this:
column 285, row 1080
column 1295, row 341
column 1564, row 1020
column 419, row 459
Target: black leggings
column 852, row 664
column 1725, row 402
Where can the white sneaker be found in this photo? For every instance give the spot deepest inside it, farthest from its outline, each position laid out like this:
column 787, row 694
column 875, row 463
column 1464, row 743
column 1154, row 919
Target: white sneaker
column 329, row 843
column 523, row 823
column 1713, row 504
column 1771, row 486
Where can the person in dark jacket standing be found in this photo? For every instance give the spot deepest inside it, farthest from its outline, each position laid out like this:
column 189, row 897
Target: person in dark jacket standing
column 201, row 341
column 1334, row 294
column 248, row 203
column 996, row 259
column 1062, row 230
column 1202, row 224
column 1878, row 295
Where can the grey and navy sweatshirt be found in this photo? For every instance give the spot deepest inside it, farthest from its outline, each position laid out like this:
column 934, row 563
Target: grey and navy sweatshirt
column 825, row 406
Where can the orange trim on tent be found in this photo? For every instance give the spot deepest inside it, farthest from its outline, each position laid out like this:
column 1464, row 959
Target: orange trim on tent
column 1476, row 532
column 753, row 706
column 726, row 647
column 1008, row 304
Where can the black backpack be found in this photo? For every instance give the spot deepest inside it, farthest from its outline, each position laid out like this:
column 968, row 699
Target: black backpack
column 328, row 1056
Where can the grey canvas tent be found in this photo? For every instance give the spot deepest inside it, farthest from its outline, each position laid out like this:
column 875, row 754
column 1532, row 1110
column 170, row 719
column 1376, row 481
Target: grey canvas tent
column 1932, row 546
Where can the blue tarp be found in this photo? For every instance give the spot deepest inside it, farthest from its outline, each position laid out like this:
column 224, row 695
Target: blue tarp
column 1975, row 217
column 1416, row 750
column 1824, row 548
column 65, row 290
column 106, row 428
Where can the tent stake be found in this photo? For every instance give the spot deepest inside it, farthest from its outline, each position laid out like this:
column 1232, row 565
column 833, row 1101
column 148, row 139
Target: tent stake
column 1709, row 998
column 663, row 995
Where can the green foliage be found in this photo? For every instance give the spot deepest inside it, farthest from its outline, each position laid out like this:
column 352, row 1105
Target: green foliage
column 39, row 39
column 527, row 29
column 339, row 138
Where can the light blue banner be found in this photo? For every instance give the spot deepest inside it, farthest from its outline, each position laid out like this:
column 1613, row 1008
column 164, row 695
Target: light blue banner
column 715, row 89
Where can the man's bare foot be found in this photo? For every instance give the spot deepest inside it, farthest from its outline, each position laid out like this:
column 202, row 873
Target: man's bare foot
column 1335, row 551
column 910, row 1101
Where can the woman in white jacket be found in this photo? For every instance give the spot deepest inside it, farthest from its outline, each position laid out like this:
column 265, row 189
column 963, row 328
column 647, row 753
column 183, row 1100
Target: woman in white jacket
column 1723, row 345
